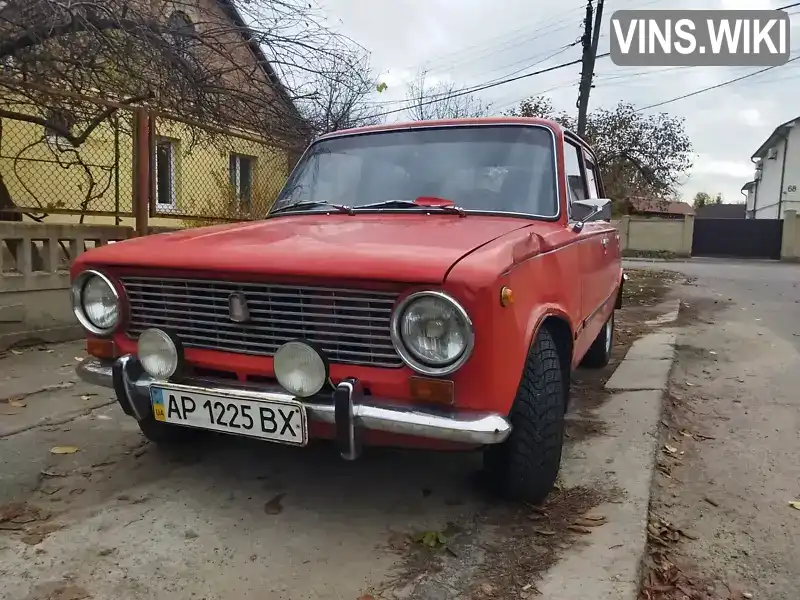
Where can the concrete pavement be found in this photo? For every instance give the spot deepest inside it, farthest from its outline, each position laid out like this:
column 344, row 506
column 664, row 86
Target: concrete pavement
column 245, row 519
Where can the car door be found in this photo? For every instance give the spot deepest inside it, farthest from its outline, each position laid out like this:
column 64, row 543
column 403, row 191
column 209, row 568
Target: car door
column 590, row 253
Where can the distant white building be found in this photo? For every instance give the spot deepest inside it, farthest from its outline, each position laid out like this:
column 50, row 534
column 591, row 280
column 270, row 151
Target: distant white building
column 775, row 186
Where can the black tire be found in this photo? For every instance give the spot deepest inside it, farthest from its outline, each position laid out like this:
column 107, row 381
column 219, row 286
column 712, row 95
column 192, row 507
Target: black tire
column 599, row 352
column 165, row 434
column 525, row 466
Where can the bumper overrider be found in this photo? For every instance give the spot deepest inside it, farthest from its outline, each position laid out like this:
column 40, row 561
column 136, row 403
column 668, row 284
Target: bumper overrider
column 346, row 407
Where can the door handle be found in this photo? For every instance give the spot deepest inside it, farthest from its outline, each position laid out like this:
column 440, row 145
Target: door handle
column 605, row 242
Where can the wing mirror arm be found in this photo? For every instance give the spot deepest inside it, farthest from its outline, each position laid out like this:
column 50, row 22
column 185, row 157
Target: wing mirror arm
column 578, row 226
column 595, row 206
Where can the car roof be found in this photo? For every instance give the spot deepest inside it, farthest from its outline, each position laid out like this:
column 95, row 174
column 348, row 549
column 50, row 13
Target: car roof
column 445, row 123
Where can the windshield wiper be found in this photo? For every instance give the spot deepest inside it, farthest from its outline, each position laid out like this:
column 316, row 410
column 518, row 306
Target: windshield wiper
column 309, row 203
column 451, row 208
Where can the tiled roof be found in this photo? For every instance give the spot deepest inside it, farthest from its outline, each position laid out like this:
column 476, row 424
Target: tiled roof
column 659, row 205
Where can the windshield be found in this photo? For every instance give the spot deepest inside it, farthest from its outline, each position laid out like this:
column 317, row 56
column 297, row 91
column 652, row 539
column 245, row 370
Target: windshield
column 509, row 169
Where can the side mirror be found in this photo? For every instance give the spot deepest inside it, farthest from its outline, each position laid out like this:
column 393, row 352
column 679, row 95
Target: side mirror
column 592, row 209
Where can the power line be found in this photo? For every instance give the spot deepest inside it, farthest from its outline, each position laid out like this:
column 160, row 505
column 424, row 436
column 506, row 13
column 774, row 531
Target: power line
column 714, row 87
column 445, row 95
column 480, row 88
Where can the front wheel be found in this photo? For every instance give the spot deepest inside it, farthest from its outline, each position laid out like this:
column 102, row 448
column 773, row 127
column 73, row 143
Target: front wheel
column 526, row 465
column 599, row 352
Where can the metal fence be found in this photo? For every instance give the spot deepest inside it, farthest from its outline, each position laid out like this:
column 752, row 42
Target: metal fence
column 201, row 173
column 43, row 173
column 193, row 173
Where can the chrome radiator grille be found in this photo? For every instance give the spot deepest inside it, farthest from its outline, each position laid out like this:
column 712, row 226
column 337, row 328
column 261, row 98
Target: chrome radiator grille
column 352, row 326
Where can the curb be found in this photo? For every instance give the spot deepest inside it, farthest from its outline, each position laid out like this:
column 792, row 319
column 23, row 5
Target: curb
column 623, row 458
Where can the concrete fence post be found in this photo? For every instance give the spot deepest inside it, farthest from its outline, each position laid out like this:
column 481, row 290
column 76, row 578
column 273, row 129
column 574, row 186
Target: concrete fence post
column 688, row 234
column 789, row 237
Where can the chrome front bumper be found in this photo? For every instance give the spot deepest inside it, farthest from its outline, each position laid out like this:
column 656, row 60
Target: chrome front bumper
column 346, row 407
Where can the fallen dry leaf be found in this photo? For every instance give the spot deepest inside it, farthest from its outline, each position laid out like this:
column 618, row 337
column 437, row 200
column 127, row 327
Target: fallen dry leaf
column 64, row 449
column 795, row 504
column 579, row 529
column 18, row 402
column 670, row 449
column 594, row 518
column 544, row 531
column 588, row 523
column 274, row 506
column 87, row 396
column 16, row 352
column 431, row 539
column 49, row 473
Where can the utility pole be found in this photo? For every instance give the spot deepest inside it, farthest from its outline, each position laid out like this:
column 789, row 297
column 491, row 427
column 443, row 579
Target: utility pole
column 589, row 41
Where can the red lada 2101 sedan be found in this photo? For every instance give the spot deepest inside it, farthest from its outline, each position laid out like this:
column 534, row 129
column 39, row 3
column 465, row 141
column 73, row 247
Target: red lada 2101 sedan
column 430, row 284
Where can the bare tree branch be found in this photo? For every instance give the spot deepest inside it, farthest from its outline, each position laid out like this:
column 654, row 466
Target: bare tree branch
column 437, row 101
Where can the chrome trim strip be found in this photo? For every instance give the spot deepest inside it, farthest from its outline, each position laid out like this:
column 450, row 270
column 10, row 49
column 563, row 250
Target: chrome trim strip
column 407, row 354
column 467, row 427
column 76, row 291
column 345, row 133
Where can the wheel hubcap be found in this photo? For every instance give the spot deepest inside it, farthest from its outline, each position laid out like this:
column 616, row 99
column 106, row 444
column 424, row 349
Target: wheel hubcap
column 609, row 330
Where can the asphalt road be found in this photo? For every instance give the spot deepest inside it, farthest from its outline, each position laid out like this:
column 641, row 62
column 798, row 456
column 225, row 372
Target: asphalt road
column 765, row 290
column 736, row 383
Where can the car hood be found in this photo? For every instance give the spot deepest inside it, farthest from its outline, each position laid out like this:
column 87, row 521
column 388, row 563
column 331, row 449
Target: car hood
column 404, row 248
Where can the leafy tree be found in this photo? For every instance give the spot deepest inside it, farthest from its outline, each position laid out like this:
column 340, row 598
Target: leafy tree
column 439, row 101
column 638, row 155
column 701, row 199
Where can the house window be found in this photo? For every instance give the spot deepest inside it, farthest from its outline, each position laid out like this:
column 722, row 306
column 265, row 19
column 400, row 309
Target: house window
column 241, row 178
column 165, row 175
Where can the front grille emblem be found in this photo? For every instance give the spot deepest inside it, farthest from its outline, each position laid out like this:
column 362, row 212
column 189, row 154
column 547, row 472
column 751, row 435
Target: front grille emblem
column 237, row 308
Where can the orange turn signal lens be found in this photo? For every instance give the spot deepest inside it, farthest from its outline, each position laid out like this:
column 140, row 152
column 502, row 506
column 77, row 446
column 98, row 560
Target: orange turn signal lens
column 506, row 296
column 439, row 391
column 100, row 348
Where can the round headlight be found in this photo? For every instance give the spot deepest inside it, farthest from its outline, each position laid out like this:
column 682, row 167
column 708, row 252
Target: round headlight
column 95, row 302
column 159, row 354
column 432, row 333
column 300, row 369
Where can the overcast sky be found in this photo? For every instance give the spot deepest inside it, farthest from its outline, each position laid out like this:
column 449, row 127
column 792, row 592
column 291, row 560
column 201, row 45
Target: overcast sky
column 476, row 41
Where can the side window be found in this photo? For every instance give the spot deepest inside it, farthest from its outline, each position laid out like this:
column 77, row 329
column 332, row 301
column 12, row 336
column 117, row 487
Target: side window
column 576, row 186
column 591, row 179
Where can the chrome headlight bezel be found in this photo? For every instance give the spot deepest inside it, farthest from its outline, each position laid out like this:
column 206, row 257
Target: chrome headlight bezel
column 77, row 288
column 408, row 356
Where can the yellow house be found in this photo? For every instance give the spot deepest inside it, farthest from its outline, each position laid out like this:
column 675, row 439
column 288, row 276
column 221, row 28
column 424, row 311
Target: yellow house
column 197, row 173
